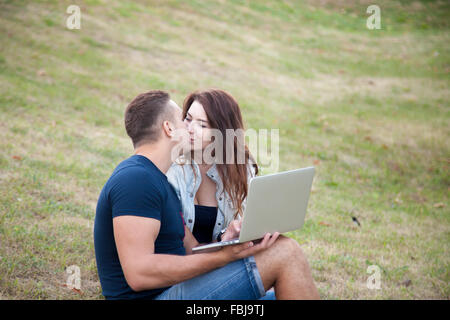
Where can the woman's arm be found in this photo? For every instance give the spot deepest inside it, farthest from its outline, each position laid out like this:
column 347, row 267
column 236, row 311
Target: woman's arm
column 189, row 240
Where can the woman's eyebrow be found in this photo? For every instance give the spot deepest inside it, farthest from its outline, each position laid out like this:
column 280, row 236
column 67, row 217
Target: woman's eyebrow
column 190, row 115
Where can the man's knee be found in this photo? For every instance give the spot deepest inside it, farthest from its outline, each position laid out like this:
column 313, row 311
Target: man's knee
column 288, row 244
column 290, row 248
column 281, row 252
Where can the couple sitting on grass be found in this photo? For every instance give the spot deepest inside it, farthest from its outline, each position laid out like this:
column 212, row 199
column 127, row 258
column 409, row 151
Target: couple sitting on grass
column 152, row 211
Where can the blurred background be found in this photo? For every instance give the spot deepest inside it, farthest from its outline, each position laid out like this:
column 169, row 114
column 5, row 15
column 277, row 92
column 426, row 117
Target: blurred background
column 368, row 108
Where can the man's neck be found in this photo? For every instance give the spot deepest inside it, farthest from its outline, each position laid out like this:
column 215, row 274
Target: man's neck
column 156, row 153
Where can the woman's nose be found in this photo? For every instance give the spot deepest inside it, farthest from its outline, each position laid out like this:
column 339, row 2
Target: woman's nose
column 189, row 127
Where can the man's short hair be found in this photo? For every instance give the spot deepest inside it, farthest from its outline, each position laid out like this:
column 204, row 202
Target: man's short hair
column 145, row 114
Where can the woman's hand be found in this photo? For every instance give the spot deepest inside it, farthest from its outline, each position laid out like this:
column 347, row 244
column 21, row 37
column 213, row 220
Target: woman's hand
column 233, row 230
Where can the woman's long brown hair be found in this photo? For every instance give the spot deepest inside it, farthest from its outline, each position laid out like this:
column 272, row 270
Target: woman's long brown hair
column 223, row 113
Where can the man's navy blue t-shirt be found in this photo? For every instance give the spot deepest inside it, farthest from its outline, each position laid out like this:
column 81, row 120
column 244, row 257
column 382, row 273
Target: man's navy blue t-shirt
column 138, row 188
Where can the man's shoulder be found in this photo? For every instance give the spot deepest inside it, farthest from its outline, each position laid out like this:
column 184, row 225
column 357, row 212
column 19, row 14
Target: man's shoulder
column 129, row 167
column 133, row 174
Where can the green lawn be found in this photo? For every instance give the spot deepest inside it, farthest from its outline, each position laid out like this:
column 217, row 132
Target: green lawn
column 368, row 108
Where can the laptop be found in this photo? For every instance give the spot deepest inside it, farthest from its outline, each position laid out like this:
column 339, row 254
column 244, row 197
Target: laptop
column 275, row 203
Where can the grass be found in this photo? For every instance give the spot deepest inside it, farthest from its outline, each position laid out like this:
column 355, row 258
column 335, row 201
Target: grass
column 368, row 108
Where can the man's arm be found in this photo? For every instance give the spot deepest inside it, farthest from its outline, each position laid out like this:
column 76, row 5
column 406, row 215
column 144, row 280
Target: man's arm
column 143, row 269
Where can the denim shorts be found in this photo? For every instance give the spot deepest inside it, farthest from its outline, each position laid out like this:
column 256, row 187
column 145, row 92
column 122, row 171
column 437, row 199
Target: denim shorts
column 239, row 280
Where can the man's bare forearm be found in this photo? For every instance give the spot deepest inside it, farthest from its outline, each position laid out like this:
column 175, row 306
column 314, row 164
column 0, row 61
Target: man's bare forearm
column 163, row 270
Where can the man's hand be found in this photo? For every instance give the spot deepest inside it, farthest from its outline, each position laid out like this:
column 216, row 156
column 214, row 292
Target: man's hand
column 243, row 250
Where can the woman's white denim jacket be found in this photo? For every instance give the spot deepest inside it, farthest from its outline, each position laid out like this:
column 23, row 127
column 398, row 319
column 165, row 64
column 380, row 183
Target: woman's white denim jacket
column 186, row 185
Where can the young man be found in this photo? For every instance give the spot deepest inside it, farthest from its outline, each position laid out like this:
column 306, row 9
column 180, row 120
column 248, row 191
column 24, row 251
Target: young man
column 142, row 246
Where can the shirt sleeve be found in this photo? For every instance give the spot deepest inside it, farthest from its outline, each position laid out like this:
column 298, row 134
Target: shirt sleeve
column 136, row 193
column 251, row 173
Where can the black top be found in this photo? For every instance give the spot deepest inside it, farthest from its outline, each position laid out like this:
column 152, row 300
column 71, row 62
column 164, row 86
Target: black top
column 205, row 219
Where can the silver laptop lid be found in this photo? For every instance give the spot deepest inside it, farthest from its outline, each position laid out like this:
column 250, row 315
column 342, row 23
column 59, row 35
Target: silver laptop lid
column 276, row 202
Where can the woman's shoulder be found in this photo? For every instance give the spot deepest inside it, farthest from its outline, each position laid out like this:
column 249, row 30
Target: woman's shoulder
column 252, row 168
column 175, row 168
column 178, row 173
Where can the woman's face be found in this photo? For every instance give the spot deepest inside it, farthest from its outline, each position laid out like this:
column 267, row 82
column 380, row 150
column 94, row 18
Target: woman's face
column 198, row 126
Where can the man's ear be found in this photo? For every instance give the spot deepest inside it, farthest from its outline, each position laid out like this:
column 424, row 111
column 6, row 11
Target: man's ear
column 168, row 128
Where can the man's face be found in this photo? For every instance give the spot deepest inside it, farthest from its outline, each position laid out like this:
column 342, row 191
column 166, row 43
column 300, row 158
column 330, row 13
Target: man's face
column 180, row 135
column 177, row 118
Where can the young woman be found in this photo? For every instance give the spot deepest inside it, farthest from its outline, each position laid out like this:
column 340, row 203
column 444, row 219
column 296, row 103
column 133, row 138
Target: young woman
column 213, row 193
column 212, row 185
